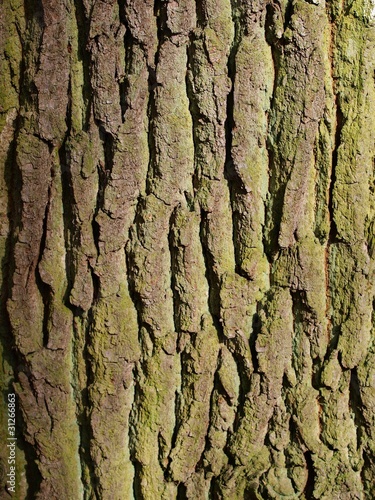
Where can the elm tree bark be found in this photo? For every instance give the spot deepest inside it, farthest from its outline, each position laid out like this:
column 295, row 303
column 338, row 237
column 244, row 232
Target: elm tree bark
column 187, row 247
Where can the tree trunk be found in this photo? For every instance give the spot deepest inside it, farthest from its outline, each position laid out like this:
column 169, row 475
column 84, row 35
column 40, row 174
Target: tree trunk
column 187, row 246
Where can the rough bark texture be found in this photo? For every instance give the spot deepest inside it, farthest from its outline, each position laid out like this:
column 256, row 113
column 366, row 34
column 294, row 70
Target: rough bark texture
column 187, row 243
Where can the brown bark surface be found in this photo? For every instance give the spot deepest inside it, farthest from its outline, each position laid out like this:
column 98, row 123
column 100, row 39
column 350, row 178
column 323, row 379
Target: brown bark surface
column 187, row 246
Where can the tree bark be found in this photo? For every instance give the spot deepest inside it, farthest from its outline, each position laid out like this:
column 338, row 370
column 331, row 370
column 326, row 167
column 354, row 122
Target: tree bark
column 187, row 247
